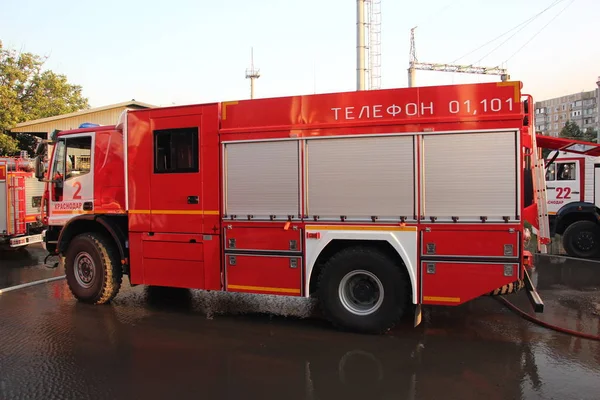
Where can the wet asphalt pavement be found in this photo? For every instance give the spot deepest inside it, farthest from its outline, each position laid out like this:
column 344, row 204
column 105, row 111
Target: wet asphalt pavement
column 175, row 344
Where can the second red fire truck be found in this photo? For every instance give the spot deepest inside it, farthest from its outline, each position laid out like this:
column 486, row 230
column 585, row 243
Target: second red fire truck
column 20, row 204
column 374, row 202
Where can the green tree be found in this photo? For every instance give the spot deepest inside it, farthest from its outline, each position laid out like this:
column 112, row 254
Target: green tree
column 28, row 92
column 591, row 135
column 8, row 145
column 572, row 131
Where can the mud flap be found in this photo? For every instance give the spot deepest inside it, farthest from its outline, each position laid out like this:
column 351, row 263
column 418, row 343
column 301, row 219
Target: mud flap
column 534, row 297
column 417, row 315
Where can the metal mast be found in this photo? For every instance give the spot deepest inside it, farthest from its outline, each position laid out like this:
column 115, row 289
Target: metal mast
column 252, row 73
column 414, row 65
column 360, row 45
column 598, row 112
column 374, row 45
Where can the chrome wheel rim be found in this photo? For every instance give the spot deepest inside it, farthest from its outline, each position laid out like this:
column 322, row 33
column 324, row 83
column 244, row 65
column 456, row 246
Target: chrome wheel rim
column 85, row 270
column 361, row 292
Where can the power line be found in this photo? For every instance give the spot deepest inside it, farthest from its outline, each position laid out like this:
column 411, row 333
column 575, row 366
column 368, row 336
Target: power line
column 556, row 2
column 431, row 17
column 541, row 29
column 525, row 23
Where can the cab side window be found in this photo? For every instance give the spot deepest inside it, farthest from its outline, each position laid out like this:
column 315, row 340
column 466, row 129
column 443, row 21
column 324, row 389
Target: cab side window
column 176, row 150
column 566, row 171
column 79, row 156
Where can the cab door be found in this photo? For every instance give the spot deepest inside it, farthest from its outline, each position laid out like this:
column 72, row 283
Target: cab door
column 174, row 249
column 72, row 186
column 176, row 177
column 564, row 183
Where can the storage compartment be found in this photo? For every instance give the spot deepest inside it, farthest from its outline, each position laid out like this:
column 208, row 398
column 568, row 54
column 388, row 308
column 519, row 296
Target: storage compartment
column 262, row 179
column 454, row 283
column 471, row 175
column 360, row 178
column 15, row 204
column 263, row 238
column 174, row 273
column 173, row 251
column 471, row 243
column 264, row 274
column 173, row 260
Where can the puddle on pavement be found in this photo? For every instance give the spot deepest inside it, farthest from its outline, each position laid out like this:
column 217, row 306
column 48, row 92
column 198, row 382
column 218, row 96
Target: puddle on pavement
column 565, row 273
column 158, row 342
column 23, row 265
column 125, row 351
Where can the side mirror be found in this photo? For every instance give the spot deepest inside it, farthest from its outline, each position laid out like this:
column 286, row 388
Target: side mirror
column 54, row 135
column 40, row 149
column 39, row 168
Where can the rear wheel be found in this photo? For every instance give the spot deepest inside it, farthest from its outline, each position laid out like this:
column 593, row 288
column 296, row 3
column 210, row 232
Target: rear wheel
column 363, row 290
column 582, row 239
column 92, row 268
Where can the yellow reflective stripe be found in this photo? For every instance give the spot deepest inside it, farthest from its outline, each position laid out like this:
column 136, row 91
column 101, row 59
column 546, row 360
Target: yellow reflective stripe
column 264, row 289
column 224, row 108
column 176, row 212
column 82, row 212
column 516, row 88
column 442, row 299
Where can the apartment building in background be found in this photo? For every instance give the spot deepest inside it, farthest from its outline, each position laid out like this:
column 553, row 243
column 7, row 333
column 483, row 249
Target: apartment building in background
column 582, row 108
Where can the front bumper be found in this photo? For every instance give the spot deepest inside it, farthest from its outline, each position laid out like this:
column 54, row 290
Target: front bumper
column 44, row 240
column 27, row 240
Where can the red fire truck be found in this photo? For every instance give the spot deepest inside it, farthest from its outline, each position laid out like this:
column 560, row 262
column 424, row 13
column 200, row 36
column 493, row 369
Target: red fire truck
column 20, row 203
column 375, row 202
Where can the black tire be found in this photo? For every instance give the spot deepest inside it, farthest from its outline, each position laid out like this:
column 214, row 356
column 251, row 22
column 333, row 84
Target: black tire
column 393, row 300
column 581, row 239
column 99, row 281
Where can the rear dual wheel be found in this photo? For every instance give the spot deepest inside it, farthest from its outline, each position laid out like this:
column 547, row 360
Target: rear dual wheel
column 361, row 289
column 93, row 269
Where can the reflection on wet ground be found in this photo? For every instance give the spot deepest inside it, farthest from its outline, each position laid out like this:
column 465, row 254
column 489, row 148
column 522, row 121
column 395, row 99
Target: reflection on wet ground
column 172, row 343
column 25, row 265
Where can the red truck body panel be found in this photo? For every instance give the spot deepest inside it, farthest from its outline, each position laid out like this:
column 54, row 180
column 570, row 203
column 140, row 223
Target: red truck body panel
column 181, row 234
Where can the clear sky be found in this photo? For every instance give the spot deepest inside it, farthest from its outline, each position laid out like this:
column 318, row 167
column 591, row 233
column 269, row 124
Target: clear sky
column 195, row 51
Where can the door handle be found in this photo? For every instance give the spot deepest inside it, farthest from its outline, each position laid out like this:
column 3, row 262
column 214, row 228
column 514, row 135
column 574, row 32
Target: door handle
column 192, row 200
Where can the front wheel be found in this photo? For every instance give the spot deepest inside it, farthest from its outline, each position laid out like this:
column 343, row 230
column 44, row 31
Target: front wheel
column 92, row 268
column 363, row 290
column 582, row 239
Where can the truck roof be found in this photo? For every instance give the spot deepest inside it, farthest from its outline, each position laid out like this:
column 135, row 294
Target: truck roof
column 468, row 103
column 90, row 129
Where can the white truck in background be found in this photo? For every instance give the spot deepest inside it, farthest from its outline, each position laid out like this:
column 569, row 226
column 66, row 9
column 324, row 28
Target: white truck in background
column 21, row 201
column 573, row 196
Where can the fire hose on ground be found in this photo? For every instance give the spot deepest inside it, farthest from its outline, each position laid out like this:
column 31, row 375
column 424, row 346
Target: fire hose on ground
column 24, row 285
column 544, row 324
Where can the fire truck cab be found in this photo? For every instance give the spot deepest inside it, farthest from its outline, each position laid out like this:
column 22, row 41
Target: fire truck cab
column 370, row 201
column 573, row 186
